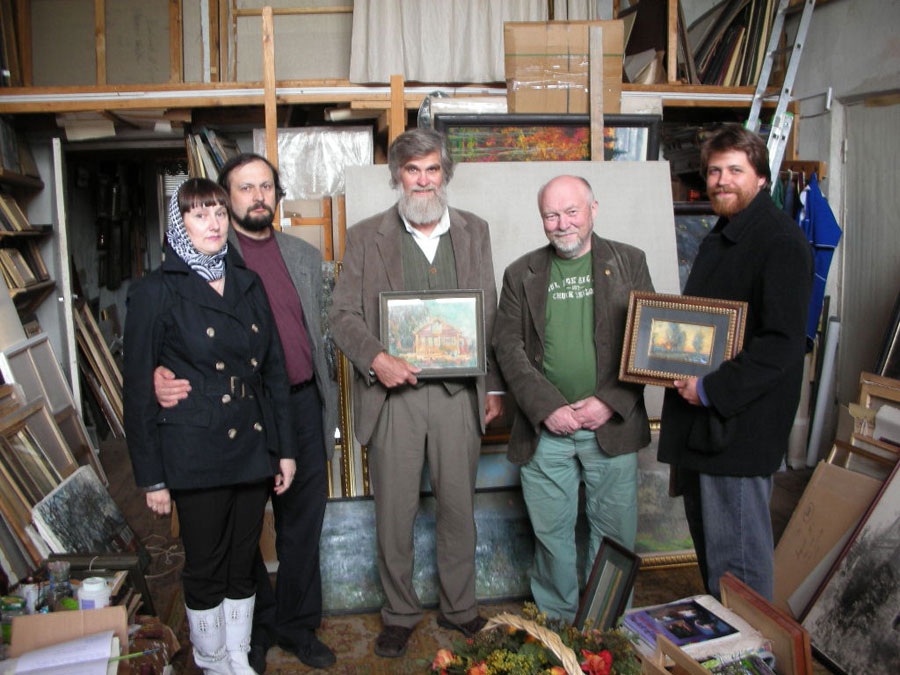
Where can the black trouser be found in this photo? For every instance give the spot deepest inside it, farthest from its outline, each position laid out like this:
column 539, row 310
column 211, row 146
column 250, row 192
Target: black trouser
column 294, row 609
column 220, row 529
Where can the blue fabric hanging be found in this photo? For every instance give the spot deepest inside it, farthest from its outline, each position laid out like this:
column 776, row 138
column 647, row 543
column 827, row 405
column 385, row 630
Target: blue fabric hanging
column 824, row 233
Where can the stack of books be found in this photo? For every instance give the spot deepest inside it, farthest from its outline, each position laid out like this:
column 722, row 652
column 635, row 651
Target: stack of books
column 700, row 626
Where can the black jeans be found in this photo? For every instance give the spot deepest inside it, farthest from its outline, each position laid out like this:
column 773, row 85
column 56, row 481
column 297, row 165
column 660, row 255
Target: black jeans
column 220, row 529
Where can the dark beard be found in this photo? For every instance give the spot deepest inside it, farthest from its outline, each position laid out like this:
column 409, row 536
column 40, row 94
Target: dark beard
column 253, row 223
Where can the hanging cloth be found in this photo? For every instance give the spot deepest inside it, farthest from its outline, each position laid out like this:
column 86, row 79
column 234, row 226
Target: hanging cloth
column 823, row 232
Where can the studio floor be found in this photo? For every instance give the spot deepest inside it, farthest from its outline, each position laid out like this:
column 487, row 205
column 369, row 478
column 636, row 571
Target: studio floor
column 351, row 635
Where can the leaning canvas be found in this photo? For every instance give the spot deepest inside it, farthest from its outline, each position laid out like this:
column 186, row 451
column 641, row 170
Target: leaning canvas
column 79, row 516
column 853, row 621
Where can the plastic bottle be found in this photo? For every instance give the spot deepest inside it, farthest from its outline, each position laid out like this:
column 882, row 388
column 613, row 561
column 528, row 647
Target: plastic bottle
column 93, row 594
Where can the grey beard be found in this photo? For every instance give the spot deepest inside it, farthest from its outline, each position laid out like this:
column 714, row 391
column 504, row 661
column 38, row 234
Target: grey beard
column 420, row 211
column 567, row 251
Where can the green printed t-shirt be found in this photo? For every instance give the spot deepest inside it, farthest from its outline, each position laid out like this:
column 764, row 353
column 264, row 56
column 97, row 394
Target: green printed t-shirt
column 570, row 359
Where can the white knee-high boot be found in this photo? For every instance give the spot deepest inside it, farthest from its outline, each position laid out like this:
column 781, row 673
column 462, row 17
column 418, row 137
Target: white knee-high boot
column 208, row 639
column 238, row 625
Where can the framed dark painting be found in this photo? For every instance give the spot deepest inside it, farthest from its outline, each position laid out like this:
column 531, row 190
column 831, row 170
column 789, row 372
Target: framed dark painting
column 546, row 137
column 609, row 586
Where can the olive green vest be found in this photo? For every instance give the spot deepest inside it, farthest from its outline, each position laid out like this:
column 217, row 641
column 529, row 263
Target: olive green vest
column 421, row 275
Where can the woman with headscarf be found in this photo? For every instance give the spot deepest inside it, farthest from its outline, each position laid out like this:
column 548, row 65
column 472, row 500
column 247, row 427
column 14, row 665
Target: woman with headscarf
column 205, row 316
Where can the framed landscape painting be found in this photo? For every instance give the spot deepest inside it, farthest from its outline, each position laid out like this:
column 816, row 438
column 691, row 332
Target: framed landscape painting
column 670, row 337
column 543, row 137
column 441, row 332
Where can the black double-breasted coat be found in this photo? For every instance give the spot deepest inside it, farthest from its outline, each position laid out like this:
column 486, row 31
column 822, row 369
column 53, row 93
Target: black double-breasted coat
column 761, row 257
column 235, row 423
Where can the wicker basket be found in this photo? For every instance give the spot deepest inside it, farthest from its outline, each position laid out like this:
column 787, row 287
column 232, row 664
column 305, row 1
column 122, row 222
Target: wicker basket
column 547, row 637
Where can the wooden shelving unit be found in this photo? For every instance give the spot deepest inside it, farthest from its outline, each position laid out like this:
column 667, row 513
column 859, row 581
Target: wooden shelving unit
column 26, row 298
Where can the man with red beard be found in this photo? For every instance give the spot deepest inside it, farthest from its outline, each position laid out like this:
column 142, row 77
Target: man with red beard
column 418, row 244
column 727, row 433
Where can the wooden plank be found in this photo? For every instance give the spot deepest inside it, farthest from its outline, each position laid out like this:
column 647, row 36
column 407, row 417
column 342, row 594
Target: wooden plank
column 213, row 13
column 672, row 42
column 397, row 121
column 223, row 40
column 595, row 91
column 284, row 11
column 268, row 38
column 806, row 166
column 100, row 39
column 23, row 31
column 176, row 42
column 341, row 226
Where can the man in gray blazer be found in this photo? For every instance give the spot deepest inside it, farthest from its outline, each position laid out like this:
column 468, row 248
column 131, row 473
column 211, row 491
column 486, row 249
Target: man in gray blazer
column 291, row 271
column 418, row 244
column 558, row 338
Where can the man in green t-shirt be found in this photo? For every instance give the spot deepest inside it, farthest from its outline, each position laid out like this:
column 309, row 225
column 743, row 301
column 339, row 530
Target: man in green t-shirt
column 558, row 338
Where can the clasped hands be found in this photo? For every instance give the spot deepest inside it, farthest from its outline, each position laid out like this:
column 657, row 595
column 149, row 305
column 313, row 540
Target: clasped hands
column 589, row 413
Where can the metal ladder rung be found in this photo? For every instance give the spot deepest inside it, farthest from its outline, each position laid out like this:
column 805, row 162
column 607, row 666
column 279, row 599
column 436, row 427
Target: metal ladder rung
column 781, row 120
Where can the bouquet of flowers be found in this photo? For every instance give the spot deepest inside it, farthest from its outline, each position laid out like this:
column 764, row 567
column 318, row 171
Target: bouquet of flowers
column 533, row 645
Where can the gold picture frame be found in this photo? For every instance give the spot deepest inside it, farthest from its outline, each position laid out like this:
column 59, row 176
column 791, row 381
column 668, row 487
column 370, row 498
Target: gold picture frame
column 672, row 337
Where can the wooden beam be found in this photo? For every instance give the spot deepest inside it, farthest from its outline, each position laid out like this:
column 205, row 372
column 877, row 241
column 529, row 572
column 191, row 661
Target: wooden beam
column 213, row 55
column 268, row 45
column 285, row 11
column 672, row 42
column 223, row 40
column 397, row 123
column 595, row 91
column 100, row 39
column 23, row 33
column 176, row 42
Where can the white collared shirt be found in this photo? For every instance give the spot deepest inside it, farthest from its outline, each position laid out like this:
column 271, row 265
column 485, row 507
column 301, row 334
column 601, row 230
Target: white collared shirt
column 429, row 242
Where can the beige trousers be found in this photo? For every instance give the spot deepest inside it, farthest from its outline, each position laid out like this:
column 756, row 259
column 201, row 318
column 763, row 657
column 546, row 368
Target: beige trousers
column 415, row 424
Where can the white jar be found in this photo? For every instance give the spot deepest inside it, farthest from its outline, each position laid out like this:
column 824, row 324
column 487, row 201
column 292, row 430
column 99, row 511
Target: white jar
column 93, row 594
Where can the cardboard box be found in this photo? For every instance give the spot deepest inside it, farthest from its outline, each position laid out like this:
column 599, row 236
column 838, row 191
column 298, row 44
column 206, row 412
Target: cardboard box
column 830, row 508
column 547, row 66
column 790, row 641
column 42, row 630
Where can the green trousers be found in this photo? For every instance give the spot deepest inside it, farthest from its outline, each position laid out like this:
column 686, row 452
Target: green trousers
column 550, row 486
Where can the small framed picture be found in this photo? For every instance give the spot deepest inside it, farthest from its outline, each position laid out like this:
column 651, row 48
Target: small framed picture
column 441, row 332
column 609, row 586
column 670, row 337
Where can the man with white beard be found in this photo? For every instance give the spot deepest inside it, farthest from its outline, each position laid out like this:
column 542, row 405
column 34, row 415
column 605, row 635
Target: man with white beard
column 419, row 244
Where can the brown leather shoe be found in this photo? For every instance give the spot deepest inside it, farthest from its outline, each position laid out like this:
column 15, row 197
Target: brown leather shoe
column 391, row 642
column 469, row 628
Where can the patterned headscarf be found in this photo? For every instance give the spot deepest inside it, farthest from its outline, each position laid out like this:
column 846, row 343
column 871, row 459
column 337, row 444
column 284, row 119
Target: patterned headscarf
column 210, row 267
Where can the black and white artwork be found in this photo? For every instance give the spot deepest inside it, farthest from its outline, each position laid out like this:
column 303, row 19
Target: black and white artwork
column 855, row 621
column 79, row 516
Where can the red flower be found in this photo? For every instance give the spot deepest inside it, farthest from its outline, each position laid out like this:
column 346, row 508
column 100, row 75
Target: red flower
column 596, row 664
column 442, row 659
column 480, row 669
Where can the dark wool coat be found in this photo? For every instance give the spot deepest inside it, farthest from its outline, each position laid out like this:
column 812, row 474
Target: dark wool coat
column 519, row 345
column 761, row 257
column 234, row 425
